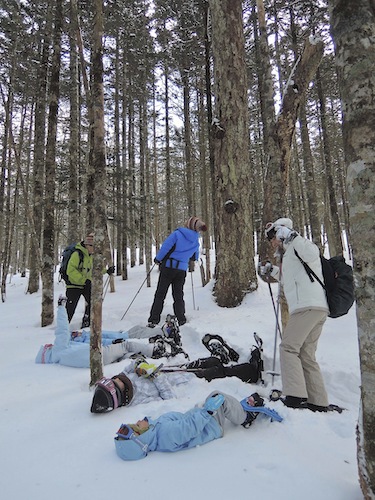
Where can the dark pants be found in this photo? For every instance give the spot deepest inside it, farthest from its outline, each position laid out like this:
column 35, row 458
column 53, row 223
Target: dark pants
column 167, row 277
column 73, row 295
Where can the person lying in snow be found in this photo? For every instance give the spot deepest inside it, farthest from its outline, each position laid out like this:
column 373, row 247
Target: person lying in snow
column 127, row 388
column 139, row 382
column 174, row 431
column 73, row 349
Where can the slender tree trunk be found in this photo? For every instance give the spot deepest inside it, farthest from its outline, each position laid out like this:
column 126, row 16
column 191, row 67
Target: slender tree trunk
column 73, row 227
column 50, row 175
column 100, row 195
column 353, row 29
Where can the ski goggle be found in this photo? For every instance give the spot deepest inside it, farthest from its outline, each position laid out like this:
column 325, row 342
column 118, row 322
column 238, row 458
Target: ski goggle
column 270, row 231
column 127, row 433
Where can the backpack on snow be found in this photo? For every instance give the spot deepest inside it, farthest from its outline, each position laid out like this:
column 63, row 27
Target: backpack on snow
column 338, row 283
column 67, row 253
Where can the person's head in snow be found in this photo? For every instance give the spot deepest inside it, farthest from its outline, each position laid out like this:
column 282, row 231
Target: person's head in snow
column 176, row 255
column 176, row 431
column 302, row 380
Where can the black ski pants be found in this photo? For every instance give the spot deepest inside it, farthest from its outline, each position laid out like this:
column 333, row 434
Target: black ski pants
column 167, row 277
column 73, row 295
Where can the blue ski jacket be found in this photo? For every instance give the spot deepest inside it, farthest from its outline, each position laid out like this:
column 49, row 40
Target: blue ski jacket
column 172, row 431
column 185, row 245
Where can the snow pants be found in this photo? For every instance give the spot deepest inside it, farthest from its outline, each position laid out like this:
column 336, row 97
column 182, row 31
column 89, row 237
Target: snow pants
column 300, row 372
column 167, row 277
column 230, row 409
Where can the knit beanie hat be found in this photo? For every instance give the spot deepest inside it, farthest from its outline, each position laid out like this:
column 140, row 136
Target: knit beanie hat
column 196, row 224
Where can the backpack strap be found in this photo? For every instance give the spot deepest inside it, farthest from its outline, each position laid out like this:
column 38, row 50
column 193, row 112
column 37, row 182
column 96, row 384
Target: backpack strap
column 309, row 271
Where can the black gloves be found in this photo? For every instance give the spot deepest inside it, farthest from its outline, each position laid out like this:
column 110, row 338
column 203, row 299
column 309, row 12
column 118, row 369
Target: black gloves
column 156, row 261
column 111, row 270
column 191, row 266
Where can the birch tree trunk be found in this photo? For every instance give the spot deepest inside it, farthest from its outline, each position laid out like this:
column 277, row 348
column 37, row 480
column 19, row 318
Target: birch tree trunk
column 48, row 259
column 100, row 195
column 353, row 29
column 235, row 270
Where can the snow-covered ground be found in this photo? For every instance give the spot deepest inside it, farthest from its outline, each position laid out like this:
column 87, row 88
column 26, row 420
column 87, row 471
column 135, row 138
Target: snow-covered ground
column 52, row 447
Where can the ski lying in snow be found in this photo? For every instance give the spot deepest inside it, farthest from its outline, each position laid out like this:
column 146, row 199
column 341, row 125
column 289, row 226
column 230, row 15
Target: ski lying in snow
column 276, row 395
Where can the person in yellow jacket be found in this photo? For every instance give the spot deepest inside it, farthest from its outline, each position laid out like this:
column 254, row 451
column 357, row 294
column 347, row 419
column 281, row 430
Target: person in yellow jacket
column 79, row 271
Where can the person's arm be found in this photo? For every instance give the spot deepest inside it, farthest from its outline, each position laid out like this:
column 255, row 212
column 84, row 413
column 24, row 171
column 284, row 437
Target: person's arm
column 73, row 270
column 166, row 247
column 164, row 386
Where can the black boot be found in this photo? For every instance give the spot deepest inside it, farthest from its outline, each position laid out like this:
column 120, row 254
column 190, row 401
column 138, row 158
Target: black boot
column 295, row 402
column 85, row 321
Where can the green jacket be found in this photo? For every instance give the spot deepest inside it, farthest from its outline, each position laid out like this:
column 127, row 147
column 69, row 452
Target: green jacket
column 79, row 272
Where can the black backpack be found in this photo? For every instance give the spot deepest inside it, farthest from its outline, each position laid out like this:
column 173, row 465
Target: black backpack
column 67, row 253
column 338, row 283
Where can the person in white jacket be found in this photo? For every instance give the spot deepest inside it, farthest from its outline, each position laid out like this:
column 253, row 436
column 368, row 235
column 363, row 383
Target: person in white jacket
column 302, row 380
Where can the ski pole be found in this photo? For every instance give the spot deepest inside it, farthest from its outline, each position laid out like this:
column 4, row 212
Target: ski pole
column 276, row 330
column 274, row 307
column 105, row 288
column 192, row 290
column 135, row 296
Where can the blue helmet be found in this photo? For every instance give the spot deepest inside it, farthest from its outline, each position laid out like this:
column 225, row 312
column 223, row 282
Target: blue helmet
column 129, row 445
column 129, row 449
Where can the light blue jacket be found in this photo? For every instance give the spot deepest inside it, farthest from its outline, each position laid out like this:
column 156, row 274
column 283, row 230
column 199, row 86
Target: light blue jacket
column 172, row 431
column 76, row 353
column 187, row 247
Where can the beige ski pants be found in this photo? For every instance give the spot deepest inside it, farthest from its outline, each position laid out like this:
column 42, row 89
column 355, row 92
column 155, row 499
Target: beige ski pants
column 300, row 372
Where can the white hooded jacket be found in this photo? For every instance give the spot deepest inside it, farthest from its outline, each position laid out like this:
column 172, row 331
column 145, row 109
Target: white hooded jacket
column 299, row 291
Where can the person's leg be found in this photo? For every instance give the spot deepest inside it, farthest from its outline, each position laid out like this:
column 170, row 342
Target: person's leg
column 87, row 294
column 62, row 332
column 230, row 409
column 294, row 336
column 178, row 295
column 160, row 294
column 73, row 295
column 316, row 391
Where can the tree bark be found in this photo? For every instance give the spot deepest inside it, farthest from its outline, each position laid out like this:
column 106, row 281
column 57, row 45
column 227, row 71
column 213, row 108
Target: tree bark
column 353, row 29
column 50, row 175
column 235, row 271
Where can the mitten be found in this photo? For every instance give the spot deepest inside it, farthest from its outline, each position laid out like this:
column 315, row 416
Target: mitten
column 191, row 265
column 146, row 370
column 266, row 268
column 213, row 403
column 111, row 270
column 156, row 261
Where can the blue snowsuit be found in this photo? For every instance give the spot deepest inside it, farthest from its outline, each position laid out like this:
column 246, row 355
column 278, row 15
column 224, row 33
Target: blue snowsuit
column 184, row 244
column 176, row 431
column 75, row 351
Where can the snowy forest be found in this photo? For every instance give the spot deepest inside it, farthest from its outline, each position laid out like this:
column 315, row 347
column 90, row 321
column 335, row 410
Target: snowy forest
column 126, row 117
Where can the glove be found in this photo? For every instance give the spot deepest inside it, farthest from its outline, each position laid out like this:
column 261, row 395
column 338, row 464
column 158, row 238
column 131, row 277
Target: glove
column 213, row 403
column 156, row 261
column 191, row 265
column 266, row 268
column 146, row 370
column 111, row 270
column 282, row 232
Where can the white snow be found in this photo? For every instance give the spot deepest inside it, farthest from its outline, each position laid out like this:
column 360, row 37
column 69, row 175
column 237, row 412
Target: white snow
column 52, row 447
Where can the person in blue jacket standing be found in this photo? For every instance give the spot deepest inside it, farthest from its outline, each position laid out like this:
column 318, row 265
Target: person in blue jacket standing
column 174, row 431
column 181, row 247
